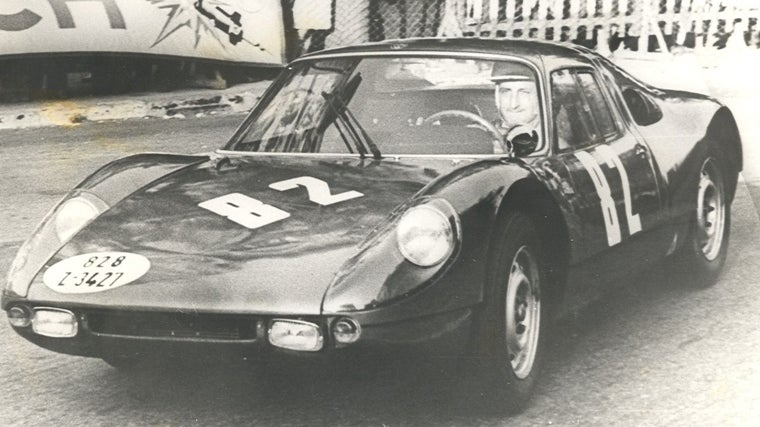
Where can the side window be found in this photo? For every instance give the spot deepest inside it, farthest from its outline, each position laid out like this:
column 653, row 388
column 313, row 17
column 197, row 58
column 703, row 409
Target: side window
column 573, row 125
column 598, row 105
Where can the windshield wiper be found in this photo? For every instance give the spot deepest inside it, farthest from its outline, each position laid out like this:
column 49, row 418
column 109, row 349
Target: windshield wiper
column 361, row 138
column 342, row 121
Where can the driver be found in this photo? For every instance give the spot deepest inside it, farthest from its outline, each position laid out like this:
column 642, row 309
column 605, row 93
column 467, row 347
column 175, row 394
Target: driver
column 516, row 99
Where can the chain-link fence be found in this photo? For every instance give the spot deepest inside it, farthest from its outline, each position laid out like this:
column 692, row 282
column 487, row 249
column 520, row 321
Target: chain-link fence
column 606, row 25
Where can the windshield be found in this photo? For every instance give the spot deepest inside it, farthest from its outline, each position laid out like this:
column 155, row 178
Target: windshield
column 394, row 105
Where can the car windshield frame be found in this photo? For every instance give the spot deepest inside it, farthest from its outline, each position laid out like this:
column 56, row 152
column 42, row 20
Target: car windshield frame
column 281, row 81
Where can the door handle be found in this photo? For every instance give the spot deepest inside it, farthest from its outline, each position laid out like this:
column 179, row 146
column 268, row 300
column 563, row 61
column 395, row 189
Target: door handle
column 640, row 150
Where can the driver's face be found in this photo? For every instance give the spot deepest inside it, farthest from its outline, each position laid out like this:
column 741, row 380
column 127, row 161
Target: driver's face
column 517, row 102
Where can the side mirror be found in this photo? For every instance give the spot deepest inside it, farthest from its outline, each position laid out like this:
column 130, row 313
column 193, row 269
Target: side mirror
column 523, row 140
column 643, row 109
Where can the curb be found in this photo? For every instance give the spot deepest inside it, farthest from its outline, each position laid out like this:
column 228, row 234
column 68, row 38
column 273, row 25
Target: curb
column 176, row 105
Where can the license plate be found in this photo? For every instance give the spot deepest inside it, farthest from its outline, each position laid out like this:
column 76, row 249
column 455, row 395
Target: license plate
column 95, row 272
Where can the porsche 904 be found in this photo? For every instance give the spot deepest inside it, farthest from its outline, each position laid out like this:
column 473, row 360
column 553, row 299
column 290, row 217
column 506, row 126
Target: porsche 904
column 447, row 197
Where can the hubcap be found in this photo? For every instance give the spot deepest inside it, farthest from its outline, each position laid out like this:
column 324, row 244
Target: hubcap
column 711, row 211
column 523, row 312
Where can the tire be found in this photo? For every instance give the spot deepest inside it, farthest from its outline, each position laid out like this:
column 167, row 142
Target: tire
column 512, row 331
column 703, row 254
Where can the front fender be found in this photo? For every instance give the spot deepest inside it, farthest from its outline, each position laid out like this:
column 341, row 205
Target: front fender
column 378, row 276
column 120, row 178
column 111, row 183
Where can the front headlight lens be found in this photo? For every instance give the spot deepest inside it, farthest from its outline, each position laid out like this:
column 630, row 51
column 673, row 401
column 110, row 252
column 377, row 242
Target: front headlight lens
column 58, row 226
column 19, row 262
column 75, row 213
column 425, row 236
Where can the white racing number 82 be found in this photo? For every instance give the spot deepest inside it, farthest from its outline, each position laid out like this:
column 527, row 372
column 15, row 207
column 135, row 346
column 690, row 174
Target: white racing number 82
column 609, row 210
column 253, row 213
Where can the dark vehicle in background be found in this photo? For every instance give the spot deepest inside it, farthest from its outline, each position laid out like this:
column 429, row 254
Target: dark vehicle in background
column 374, row 201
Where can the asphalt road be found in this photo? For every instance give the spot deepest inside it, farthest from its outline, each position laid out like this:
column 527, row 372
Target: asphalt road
column 650, row 353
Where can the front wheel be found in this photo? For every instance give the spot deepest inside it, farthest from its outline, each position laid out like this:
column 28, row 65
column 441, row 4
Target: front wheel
column 704, row 252
column 512, row 330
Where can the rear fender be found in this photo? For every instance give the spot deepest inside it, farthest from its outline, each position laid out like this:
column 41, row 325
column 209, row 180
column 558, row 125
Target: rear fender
column 724, row 133
column 721, row 133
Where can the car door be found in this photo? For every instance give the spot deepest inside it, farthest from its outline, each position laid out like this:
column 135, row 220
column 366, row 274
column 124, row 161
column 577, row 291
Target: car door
column 609, row 179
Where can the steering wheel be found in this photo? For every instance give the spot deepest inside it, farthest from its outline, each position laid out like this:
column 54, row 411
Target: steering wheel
column 462, row 114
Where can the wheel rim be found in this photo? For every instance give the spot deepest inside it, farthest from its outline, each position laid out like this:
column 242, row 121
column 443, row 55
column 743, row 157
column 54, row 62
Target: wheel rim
column 523, row 312
column 711, row 211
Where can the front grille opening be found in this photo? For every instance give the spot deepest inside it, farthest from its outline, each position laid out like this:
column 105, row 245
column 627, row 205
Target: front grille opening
column 194, row 326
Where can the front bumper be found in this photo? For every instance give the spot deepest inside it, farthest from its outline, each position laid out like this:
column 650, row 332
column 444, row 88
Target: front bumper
column 108, row 333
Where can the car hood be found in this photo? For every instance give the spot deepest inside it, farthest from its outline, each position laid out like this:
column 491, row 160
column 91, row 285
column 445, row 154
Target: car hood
column 201, row 260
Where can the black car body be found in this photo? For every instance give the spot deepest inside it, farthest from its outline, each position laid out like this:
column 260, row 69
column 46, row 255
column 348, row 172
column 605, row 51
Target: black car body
column 516, row 232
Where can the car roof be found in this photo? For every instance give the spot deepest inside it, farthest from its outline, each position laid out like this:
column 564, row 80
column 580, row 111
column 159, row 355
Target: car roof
column 529, row 49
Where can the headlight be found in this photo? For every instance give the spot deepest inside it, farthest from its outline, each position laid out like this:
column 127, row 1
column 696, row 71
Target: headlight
column 20, row 261
column 59, row 225
column 75, row 213
column 425, row 236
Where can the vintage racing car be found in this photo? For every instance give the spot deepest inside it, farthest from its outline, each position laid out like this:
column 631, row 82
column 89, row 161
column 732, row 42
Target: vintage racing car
column 434, row 196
